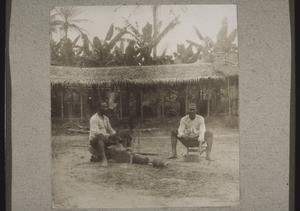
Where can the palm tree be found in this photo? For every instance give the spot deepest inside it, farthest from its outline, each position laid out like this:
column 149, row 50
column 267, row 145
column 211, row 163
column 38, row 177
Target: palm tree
column 64, row 18
column 53, row 22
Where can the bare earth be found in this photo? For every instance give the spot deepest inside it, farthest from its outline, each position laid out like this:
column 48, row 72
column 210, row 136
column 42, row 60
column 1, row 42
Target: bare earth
column 78, row 183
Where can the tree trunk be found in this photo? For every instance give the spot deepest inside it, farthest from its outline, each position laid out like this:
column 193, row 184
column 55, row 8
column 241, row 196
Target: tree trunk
column 62, row 103
column 137, row 103
column 186, row 99
column 81, row 104
column 229, row 106
column 121, row 105
column 142, row 112
column 126, row 98
column 66, row 31
column 154, row 29
column 209, row 96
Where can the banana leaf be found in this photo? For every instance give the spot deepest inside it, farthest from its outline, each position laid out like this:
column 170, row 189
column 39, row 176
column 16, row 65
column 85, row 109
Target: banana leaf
column 163, row 55
column 169, row 27
column 109, row 33
column 75, row 41
column 97, row 46
column 116, row 39
column 198, row 34
column 147, row 32
column 122, row 47
column 133, row 29
column 222, row 35
column 232, row 35
column 193, row 43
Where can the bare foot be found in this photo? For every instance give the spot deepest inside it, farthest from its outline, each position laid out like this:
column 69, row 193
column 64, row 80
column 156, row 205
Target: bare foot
column 172, row 157
column 103, row 164
column 201, row 151
column 209, row 158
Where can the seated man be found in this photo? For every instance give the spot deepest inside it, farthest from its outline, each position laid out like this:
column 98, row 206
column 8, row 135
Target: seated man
column 191, row 133
column 102, row 135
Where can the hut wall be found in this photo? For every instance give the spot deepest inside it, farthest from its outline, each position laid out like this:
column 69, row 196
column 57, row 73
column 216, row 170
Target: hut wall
column 158, row 100
column 234, row 99
column 56, row 101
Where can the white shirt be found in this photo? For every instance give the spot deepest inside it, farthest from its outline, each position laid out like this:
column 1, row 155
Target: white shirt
column 195, row 127
column 100, row 125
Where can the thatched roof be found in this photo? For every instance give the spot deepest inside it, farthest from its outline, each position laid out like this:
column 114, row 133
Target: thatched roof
column 228, row 69
column 178, row 73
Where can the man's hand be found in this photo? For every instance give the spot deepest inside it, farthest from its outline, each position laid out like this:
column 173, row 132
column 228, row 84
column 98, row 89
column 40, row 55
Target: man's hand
column 183, row 136
column 106, row 136
column 201, row 140
column 193, row 136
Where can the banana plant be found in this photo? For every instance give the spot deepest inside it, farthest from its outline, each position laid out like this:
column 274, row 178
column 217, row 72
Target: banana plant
column 206, row 45
column 225, row 43
column 146, row 40
column 186, row 55
column 102, row 52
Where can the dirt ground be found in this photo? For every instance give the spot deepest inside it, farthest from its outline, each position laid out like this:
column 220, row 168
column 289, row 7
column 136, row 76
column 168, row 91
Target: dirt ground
column 78, row 183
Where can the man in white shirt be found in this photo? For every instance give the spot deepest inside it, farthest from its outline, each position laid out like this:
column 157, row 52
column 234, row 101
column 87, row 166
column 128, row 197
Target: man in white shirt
column 191, row 133
column 102, row 135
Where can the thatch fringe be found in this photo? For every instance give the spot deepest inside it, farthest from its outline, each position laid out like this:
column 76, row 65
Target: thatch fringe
column 139, row 75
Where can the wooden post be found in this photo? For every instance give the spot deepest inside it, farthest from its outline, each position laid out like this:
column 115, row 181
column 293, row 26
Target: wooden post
column 229, row 106
column 163, row 107
column 139, row 140
column 62, row 102
column 163, row 103
column 186, row 99
column 197, row 100
column 234, row 109
column 199, row 96
column 121, row 106
column 159, row 110
column 71, row 105
column 208, row 100
column 142, row 112
column 81, row 104
column 217, row 95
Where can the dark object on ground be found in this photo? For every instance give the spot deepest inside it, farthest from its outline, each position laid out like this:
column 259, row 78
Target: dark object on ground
column 123, row 138
column 120, row 156
column 79, row 145
column 147, row 153
column 157, row 163
column 140, row 159
column 95, row 153
column 191, row 158
column 172, row 157
column 94, row 159
column 119, row 153
column 78, row 131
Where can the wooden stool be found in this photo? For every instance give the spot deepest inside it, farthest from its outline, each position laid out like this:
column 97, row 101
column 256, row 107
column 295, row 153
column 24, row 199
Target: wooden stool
column 194, row 157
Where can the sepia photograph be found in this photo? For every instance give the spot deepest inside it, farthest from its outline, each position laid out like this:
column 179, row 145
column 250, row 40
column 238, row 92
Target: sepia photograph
column 144, row 106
